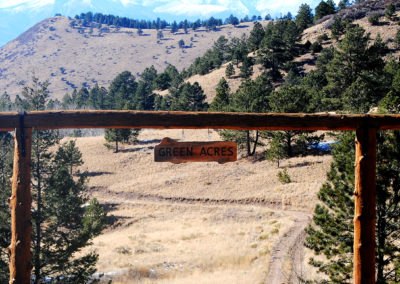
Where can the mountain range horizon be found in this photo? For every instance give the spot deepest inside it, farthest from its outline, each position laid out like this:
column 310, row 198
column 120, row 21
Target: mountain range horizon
column 17, row 16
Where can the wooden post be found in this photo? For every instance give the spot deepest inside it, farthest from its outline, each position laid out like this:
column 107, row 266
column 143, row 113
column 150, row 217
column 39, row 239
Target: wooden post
column 365, row 206
column 20, row 203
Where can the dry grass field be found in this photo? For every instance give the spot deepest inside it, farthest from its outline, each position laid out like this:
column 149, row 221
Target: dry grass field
column 194, row 222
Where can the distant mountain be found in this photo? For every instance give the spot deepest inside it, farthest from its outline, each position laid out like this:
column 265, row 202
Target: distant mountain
column 74, row 56
column 18, row 16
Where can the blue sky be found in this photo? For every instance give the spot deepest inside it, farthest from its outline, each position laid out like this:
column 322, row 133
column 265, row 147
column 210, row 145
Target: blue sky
column 16, row 16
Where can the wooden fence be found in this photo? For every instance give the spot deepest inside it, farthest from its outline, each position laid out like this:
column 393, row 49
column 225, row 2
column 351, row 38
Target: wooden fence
column 365, row 125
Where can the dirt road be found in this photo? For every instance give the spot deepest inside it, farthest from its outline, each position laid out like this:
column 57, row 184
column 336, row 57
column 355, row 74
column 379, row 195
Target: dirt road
column 284, row 249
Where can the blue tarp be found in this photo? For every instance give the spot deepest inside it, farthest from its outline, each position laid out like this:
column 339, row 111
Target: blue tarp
column 324, row 146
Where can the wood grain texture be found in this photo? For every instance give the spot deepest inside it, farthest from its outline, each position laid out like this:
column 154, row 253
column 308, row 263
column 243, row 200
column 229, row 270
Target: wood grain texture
column 182, row 152
column 193, row 120
column 365, row 207
column 20, row 204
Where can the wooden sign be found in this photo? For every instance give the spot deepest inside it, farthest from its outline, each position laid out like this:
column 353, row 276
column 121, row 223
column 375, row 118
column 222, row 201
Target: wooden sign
column 170, row 150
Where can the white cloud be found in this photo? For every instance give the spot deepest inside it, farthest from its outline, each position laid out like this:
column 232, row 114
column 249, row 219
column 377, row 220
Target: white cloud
column 201, row 7
column 190, row 9
column 283, row 7
column 24, row 4
column 129, row 2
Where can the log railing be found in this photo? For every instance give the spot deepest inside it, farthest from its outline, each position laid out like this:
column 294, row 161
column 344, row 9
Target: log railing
column 366, row 126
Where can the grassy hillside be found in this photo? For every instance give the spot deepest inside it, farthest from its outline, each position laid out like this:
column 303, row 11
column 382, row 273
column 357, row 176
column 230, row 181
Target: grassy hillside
column 70, row 56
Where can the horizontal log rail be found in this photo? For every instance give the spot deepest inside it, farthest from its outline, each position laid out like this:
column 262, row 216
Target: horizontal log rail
column 191, row 120
column 365, row 125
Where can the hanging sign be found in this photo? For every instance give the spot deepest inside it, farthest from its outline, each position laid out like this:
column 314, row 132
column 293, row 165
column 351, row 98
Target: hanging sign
column 170, row 150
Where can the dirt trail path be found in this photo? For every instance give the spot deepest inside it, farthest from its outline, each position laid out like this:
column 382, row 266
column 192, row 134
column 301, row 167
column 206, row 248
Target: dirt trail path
column 277, row 274
column 287, row 248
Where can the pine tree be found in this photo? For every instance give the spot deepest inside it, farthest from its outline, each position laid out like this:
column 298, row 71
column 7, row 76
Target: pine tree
column 390, row 11
column 355, row 59
column 68, row 224
column 304, row 17
column 324, row 8
column 122, row 95
column 82, row 98
column 256, row 36
column 223, row 97
column 189, row 98
column 277, row 148
column 97, row 97
column 338, row 28
column 230, row 70
column 252, row 96
column 333, row 232
column 343, row 4
column 6, row 160
column 279, row 46
column 246, row 69
column 364, row 80
column 58, row 198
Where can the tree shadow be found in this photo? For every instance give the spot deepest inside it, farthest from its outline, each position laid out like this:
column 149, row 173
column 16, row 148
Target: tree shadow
column 95, row 174
column 132, row 150
column 148, row 141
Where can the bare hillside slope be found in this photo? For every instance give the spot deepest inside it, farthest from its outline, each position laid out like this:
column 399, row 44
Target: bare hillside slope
column 69, row 56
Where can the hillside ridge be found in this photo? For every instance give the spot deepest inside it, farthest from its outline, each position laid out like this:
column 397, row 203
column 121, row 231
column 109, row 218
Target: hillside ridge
column 74, row 56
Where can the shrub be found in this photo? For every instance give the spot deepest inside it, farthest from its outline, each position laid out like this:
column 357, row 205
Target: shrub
column 315, row 47
column 390, row 11
column 123, row 250
column 322, row 38
column 307, row 45
column 374, row 19
column 283, row 176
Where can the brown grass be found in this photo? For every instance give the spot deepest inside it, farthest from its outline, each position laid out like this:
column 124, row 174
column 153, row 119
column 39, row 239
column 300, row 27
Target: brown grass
column 66, row 56
column 194, row 222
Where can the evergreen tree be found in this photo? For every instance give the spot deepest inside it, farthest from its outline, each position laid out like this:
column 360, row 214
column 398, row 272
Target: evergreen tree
column 122, row 95
column 149, row 75
column 277, row 148
column 338, row 28
column 246, row 69
column 69, row 156
column 121, row 91
column 119, row 135
column 333, row 232
column 97, row 97
column 355, row 59
column 289, row 99
column 189, row 98
column 304, row 17
column 363, row 79
column 256, row 36
column 57, row 209
column 397, row 39
column 5, row 102
column 67, row 223
column 174, row 27
column 6, row 161
column 82, row 98
column 324, row 8
column 144, row 97
column 223, row 97
column 279, row 46
column 390, row 11
column 252, row 96
column 230, row 70
column 343, row 4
